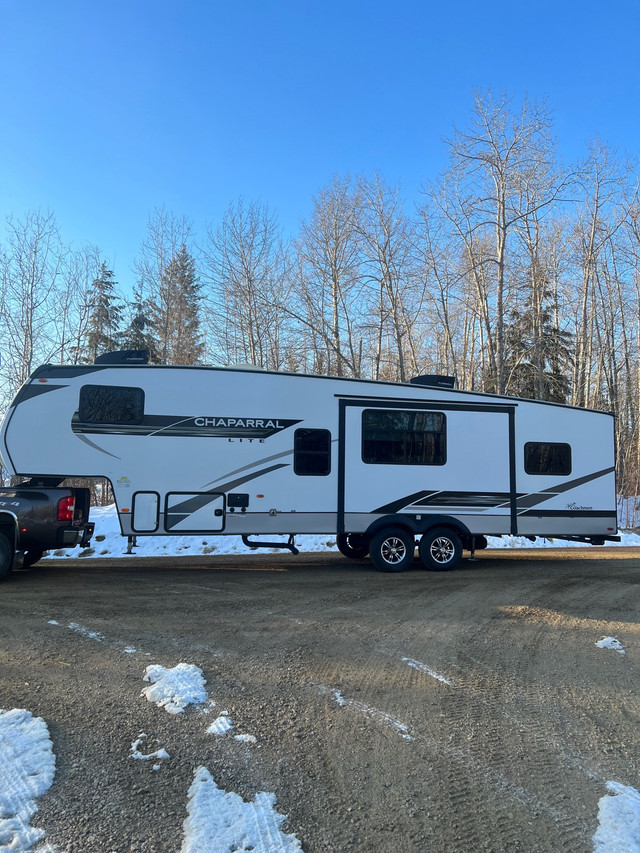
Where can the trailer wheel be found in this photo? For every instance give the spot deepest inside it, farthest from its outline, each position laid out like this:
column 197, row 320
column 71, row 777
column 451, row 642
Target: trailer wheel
column 440, row 549
column 6, row 556
column 353, row 545
column 392, row 549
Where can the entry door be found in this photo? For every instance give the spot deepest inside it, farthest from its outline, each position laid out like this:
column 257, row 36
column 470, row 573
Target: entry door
column 427, row 459
column 194, row 512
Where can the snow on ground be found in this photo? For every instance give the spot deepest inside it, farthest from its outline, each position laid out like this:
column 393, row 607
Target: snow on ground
column 246, row 738
column 422, row 667
column 372, row 713
column 618, row 821
column 160, row 754
column 221, row 726
column 611, row 643
column 108, row 542
column 79, row 629
column 174, row 689
column 27, row 768
column 218, row 821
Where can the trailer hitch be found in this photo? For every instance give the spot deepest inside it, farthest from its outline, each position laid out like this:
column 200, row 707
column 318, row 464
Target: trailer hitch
column 288, row 545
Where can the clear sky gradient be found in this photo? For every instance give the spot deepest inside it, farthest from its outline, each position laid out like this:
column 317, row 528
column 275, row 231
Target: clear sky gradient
column 109, row 110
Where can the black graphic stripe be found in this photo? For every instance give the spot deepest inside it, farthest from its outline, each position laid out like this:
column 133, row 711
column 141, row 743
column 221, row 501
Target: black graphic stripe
column 466, row 499
column 197, row 502
column 569, row 513
column 572, row 484
column 394, row 506
column 36, row 390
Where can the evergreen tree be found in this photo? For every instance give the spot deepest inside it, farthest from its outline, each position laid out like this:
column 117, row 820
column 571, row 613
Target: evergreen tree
column 139, row 334
column 539, row 359
column 175, row 312
column 105, row 315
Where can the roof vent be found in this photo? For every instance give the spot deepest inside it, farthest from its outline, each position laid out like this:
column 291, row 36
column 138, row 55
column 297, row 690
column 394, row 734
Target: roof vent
column 125, row 356
column 434, row 381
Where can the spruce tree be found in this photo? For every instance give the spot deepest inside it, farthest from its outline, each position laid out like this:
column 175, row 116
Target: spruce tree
column 139, row 333
column 105, row 315
column 175, row 313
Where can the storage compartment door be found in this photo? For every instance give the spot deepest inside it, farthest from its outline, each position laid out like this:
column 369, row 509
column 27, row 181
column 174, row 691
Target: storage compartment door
column 194, row 512
column 146, row 512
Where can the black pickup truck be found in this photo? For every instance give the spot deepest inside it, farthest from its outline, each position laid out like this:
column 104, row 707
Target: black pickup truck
column 40, row 516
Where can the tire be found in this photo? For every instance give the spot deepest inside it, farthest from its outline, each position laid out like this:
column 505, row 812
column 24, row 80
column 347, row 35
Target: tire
column 31, row 557
column 6, row 556
column 392, row 549
column 440, row 549
column 353, row 545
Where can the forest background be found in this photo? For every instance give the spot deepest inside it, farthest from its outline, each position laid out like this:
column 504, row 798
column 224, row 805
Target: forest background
column 516, row 273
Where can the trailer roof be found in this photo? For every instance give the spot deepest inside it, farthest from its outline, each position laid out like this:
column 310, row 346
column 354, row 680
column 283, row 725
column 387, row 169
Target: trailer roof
column 72, row 370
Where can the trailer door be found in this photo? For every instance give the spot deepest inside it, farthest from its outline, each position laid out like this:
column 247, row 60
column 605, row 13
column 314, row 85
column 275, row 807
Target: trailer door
column 427, row 458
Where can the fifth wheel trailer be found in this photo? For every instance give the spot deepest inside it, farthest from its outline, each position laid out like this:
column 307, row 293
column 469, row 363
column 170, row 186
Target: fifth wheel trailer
column 385, row 466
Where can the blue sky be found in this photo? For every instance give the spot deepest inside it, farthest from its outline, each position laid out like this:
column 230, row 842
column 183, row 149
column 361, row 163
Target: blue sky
column 109, row 110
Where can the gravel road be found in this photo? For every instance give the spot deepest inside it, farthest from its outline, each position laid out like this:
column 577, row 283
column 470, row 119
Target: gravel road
column 465, row 711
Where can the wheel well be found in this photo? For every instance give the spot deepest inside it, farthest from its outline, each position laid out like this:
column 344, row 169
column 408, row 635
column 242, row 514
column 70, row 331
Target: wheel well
column 9, row 527
column 418, row 526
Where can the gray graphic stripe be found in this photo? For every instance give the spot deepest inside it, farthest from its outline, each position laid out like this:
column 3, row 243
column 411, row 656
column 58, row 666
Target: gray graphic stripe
column 95, row 446
column 193, row 503
column 251, row 465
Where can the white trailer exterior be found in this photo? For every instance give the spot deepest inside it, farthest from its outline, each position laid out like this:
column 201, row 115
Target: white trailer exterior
column 204, row 450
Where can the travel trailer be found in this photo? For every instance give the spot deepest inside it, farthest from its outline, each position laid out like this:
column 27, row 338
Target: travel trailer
column 387, row 467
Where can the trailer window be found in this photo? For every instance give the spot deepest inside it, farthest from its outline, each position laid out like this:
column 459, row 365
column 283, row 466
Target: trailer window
column 545, row 457
column 109, row 404
column 392, row 437
column 312, row 452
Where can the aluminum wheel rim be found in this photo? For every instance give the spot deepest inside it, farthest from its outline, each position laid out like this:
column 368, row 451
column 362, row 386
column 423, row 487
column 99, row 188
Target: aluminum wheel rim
column 442, row 550
column 393, row 550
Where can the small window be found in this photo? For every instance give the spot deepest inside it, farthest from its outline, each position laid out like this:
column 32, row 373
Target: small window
column 392, row 437
column 312, row 452
column 108, row 404
column 545, row 457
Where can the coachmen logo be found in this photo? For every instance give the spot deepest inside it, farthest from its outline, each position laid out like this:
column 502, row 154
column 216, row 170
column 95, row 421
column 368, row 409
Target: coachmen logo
column 240, row 427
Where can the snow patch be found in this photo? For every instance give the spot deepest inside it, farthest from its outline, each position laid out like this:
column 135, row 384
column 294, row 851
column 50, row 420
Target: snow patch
column 161, row 753
column 372, row 713
column 618, row 821
column 27, row 768
column 220, row 726
column 92, row 635
column 174, row 689
column 422, row 667
column 246, row 738
column 611, row 643
column 219, row 822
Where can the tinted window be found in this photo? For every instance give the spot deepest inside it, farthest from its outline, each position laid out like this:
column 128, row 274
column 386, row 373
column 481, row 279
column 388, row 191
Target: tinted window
column 544, row 457
column 391, row 437
column 312, row 452
column 107, row 404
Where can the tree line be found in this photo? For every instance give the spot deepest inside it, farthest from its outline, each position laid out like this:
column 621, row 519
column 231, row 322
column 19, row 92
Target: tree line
column 516, row 273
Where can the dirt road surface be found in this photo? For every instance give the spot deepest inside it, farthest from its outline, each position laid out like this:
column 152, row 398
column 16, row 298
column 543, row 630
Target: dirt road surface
column 465, row 711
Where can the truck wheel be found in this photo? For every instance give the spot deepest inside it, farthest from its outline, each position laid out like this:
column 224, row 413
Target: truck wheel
column 6, row 556
column 353, row 545
column 31, row 557
column 392, row 549
column 440, row 549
